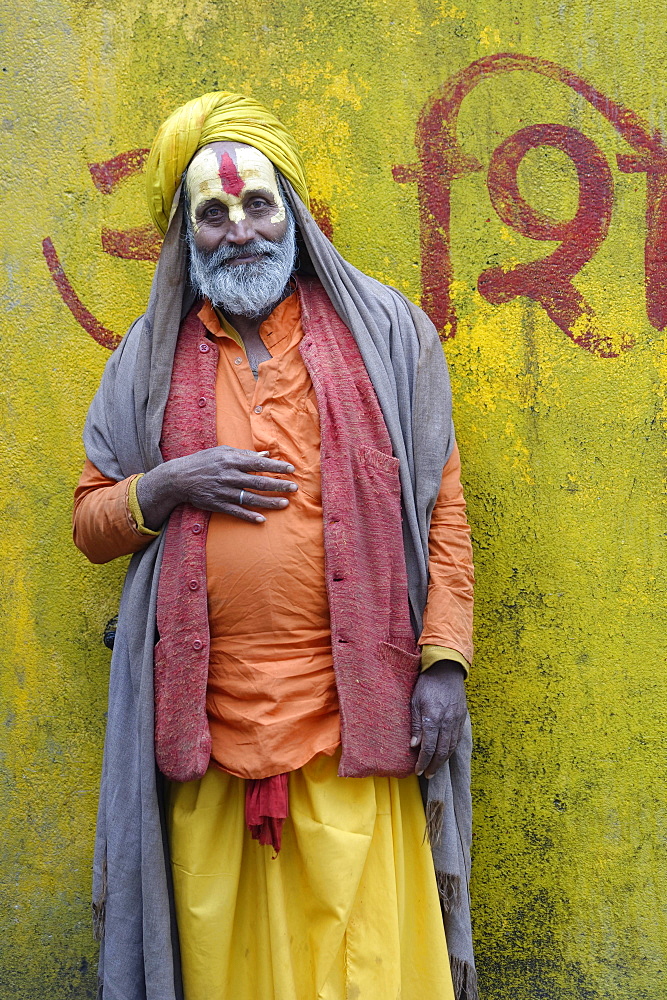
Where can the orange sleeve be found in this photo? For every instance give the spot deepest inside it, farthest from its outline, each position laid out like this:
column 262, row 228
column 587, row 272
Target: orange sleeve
column 448, row 614
column 103, row 527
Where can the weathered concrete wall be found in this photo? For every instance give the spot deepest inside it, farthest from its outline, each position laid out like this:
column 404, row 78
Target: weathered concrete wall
column 559, row 378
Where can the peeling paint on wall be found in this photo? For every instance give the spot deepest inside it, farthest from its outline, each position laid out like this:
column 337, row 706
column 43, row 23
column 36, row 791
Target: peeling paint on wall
column 505, row 164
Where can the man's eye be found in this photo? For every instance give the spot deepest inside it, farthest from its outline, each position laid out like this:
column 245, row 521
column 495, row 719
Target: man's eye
column 258, row 203
column 212, row 212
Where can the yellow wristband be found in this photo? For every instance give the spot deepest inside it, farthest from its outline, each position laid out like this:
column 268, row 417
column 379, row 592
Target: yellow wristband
column 135, row 509
column 433, row 654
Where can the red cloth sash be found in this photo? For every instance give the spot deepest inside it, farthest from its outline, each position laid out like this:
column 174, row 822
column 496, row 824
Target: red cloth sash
column 267, row 808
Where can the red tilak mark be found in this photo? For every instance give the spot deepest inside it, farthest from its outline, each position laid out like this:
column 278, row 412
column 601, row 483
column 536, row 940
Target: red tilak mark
column 441, row 160
column 322, row 215
column 111, row 172
column 140, row 243
column 82, row 315
column 229, row 175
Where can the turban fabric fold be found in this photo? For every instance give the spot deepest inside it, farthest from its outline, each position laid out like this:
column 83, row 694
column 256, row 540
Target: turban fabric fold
column 216, row 117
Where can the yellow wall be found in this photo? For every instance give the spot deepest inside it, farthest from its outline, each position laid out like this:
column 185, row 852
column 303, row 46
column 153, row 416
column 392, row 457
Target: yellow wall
column 563, row 449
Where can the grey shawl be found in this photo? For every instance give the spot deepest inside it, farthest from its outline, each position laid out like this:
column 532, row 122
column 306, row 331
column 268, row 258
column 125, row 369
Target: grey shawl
column 132, row 897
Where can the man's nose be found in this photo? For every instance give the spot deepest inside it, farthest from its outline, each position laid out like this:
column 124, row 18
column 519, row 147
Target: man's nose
column 239, row 232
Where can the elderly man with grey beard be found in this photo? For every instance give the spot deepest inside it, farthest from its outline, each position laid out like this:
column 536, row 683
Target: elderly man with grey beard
column 273, row 442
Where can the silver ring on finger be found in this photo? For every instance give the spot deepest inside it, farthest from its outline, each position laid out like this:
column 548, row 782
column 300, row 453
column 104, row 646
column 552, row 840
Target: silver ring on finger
column 241, row 495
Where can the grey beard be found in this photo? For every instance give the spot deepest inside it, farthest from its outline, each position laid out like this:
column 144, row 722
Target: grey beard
column 251, row 289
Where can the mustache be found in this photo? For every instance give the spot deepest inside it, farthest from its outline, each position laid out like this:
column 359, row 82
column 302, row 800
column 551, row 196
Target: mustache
column 231, row 251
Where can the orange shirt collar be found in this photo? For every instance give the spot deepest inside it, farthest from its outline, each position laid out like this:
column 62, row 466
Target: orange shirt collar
column 282, row 322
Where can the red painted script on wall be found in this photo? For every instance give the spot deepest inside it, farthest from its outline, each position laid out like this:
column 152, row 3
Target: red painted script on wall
column 549, row 280
column 139, row 243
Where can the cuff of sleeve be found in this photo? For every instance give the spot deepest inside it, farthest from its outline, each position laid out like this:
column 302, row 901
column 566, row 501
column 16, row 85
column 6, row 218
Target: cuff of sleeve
column 135, row 509
column 433, row 654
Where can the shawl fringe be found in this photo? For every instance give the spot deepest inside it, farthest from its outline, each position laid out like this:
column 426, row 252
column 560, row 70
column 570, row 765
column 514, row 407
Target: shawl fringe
column 435, row 818
column 449, row 888
column 464, row 979
column 99, row 907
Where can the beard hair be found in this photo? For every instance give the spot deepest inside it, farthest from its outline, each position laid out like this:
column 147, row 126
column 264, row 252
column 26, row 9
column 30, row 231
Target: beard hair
column 251, row 289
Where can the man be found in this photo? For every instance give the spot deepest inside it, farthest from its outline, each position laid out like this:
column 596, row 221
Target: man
column 273, row 441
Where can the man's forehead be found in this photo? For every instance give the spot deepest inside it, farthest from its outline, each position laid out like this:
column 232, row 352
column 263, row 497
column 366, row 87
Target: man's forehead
column 217, row 158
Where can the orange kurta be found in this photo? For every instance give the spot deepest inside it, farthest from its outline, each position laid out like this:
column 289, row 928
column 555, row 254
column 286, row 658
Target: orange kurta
column 272, row 699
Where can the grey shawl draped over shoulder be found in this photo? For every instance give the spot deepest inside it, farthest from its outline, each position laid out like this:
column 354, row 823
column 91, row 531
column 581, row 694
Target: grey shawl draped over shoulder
column 132, row 899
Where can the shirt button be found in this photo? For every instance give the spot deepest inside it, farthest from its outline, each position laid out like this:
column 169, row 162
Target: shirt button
column 197, row 644
column 258, row 409
column 196, row 529
column 202, row 401
column 237, row 361
column 204, row 348
column 193, row 585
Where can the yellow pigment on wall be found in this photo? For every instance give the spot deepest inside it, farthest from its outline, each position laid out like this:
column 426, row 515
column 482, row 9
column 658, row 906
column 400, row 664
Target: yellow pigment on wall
column 560, row 420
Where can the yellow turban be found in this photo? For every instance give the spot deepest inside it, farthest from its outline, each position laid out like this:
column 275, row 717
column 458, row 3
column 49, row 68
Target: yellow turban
column 213, row 118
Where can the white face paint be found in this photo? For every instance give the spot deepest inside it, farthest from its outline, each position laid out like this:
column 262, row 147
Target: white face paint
column 213, row 175
column 259, row 174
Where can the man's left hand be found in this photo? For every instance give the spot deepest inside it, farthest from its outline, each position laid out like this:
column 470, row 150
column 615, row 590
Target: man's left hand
column 439, row 710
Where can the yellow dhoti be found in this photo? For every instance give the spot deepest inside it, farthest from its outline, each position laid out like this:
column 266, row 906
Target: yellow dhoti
column 348, row 910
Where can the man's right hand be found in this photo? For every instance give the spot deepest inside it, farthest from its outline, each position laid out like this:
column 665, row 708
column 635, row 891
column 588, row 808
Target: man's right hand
column 213, row 479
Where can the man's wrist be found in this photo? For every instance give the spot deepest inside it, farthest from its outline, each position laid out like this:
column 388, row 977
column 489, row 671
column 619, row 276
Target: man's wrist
column 450, row 667
column 157, row 495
